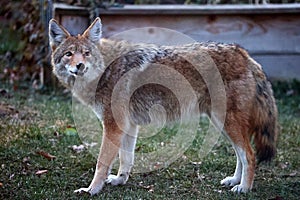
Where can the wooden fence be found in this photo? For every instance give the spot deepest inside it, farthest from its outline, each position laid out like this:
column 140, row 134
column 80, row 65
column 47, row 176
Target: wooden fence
column 271, row 33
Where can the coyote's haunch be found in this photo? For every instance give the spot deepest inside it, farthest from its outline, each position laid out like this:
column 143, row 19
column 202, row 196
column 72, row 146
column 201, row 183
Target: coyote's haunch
column 92, row 67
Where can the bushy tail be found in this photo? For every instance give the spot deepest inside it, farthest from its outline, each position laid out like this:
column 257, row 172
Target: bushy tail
column 265, row 118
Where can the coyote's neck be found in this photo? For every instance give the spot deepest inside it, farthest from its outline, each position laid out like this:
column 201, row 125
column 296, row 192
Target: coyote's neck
column 113, row 49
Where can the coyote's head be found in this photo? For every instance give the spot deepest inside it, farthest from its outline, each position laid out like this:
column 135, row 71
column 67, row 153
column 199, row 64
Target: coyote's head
column 75, row 57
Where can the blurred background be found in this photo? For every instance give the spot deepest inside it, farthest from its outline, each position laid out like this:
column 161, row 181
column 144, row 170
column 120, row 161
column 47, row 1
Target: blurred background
column 268, row 29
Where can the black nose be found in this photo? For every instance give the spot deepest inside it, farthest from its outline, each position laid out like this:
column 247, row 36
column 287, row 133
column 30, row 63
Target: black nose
column 80, row 66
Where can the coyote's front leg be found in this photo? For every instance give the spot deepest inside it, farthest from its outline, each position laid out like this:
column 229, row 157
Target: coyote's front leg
column 126, row 154
column 111, row 141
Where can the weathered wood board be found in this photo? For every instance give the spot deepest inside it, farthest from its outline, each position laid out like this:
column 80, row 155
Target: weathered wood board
column 273, row 39
column 81, row 23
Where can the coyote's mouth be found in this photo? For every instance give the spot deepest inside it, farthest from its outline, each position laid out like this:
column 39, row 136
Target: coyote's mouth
column 79, row 72
column 82, row 72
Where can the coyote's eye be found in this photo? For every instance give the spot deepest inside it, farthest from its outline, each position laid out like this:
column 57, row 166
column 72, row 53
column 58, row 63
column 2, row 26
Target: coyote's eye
column 68, row 53
column 87, row 53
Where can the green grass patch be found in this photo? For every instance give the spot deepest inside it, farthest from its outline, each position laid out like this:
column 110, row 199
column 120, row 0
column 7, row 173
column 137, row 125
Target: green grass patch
column 32, row 122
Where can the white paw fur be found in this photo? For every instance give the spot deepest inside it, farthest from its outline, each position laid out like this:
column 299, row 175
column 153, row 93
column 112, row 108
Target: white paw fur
column 116, row 180
column 231, row 181
column 240, row 189
column 90, row 190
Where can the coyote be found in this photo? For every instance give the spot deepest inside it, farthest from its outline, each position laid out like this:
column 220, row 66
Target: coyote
column 91, row 67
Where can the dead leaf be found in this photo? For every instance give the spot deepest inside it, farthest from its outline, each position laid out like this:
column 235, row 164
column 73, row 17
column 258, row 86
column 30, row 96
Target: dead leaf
column 46, row 155
column 196, row 163
column 283, row 165
column 7, row 110
column 290, row 92
column 293, row 174
column 1, row 184
column 40, row 172
column 90, row 144
column 78, row 149
column 11, row 176
column 26, row 159
column 157, row 165
column 150, row 188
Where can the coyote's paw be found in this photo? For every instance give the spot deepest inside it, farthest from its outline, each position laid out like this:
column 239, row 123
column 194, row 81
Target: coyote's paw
column 82, row 191
column 90, row 190
column 116, row 180
column 240, row 189
column 230, row 181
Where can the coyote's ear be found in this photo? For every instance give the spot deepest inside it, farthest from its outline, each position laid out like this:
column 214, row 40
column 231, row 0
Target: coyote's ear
column 57, row 34
column 94, row 31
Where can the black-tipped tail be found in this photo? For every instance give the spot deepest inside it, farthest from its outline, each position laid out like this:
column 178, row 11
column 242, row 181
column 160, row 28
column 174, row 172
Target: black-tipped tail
column 266, row 127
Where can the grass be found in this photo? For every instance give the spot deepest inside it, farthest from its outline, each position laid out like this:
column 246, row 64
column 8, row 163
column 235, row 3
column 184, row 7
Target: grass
column 32, row 122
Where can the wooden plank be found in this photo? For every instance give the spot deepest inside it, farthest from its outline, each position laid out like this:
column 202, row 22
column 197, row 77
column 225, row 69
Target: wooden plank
column 186, row 9
column 65, row 9
column 74, row 24
column 272, row 39
column 202, row 9
column 273, row 42
column 280, row 66
column 259, row 34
